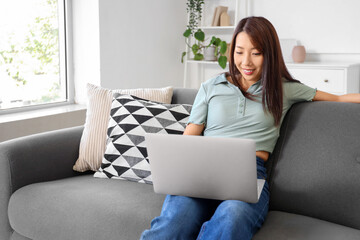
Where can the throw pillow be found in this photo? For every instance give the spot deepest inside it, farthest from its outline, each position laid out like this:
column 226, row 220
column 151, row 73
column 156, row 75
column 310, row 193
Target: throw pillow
column 126, row 156
column 93, row 140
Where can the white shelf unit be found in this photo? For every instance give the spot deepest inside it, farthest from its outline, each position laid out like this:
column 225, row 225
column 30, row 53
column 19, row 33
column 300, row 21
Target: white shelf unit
column 219, row 28
column 195, row 72
column 204, row 62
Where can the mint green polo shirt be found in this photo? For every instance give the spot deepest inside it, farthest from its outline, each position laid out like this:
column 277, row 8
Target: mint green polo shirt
column 225, row 111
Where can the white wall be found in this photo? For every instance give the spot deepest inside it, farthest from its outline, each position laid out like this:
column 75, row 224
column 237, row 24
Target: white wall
column 127, row 44
column 141, row 43
column 329, row 29
column 85, row 46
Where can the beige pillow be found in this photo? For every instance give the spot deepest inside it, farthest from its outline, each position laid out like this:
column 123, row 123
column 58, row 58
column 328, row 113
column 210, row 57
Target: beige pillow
column 93, row 140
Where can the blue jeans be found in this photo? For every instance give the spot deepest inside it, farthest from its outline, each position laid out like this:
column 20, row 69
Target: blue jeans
column 194, row 218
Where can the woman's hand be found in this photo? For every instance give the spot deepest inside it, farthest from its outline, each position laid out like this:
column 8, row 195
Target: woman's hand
column 324, row 96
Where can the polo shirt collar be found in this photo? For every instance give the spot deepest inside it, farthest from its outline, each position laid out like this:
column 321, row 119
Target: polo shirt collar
column 221, row 79
column 253, row 89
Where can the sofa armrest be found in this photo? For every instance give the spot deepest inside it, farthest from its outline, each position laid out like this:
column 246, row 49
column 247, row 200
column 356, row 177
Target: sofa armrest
column 38, row 158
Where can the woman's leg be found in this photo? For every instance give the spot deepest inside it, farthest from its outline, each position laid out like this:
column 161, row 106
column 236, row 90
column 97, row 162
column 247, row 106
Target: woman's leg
column 236, row 219
column 181, row 218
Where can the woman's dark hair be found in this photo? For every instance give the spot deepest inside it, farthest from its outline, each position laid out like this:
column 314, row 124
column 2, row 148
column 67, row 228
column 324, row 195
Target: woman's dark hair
column 265, row 39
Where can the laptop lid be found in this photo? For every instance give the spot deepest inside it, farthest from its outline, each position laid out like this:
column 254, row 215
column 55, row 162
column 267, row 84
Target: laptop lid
column 204, row 167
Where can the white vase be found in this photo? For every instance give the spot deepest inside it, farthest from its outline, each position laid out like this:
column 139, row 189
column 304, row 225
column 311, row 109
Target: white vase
column 209, row 54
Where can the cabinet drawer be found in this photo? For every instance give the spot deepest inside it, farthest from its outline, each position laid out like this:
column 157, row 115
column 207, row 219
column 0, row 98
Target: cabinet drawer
column 327, row 80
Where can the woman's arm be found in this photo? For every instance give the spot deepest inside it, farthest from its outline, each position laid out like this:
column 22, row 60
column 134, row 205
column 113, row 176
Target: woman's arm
column 324, row 96
column 194, row 129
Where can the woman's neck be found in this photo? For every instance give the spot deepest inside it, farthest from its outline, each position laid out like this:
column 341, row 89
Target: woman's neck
column 245, row 84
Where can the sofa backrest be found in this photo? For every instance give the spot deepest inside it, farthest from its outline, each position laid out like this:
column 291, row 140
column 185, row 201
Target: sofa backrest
column 315, row 167
column 184, row 95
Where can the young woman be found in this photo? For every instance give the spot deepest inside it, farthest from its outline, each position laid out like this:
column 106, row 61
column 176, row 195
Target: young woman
column 248, row 102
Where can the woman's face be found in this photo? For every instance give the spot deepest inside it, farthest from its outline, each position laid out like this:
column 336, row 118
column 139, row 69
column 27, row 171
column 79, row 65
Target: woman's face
column 247, row 58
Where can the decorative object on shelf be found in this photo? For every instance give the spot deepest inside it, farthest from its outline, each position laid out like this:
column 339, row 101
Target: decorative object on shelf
column 209, row 53
column 219, row 46
column 194, row 8
column 224, row 19
column 227, row 54
column 217, row 13
column 220, row 50
column 299, row 54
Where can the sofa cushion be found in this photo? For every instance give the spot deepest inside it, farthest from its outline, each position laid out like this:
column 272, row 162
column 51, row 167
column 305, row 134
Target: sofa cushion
column 130, row 118
column 84, row 208
column 184, row 95
column 284, row 226
column 17, row 236
column 316, row 164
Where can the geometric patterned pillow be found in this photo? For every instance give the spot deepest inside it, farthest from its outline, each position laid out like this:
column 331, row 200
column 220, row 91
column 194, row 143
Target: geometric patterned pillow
column 93, row 139
column 130, row 118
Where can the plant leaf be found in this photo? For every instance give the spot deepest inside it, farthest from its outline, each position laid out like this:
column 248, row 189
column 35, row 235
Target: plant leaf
column 182, row 57
column 216, row 53
column 200, row 35
column 212, row 41
column 223, row 47
column 217, row 42
column 187, row 33
column 198, row 56
column 222, row 61
column 195, row 48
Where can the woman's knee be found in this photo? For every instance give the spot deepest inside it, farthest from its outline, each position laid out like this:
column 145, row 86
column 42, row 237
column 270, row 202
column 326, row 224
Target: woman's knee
column 180, row 216
column 180, row 208
column 233, row 210
column 231, row 220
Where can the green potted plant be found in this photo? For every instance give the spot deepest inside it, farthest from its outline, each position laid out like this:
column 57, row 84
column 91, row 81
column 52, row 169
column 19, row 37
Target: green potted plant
column 220, row 50
column 194, row 8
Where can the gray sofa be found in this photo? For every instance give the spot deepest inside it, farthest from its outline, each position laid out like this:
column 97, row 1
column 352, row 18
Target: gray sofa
column 314, row 176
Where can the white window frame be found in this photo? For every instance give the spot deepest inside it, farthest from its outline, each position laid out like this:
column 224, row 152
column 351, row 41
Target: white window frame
column 66, row 61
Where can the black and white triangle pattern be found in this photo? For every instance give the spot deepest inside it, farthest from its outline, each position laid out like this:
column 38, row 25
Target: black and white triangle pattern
column 130, row 118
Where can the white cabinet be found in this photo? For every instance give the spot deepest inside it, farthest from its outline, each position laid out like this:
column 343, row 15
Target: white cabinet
column 335, row 78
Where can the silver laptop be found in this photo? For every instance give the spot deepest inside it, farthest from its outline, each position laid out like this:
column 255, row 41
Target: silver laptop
column 204, row 167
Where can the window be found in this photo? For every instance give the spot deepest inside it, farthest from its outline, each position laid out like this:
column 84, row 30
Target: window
column 32, row 53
